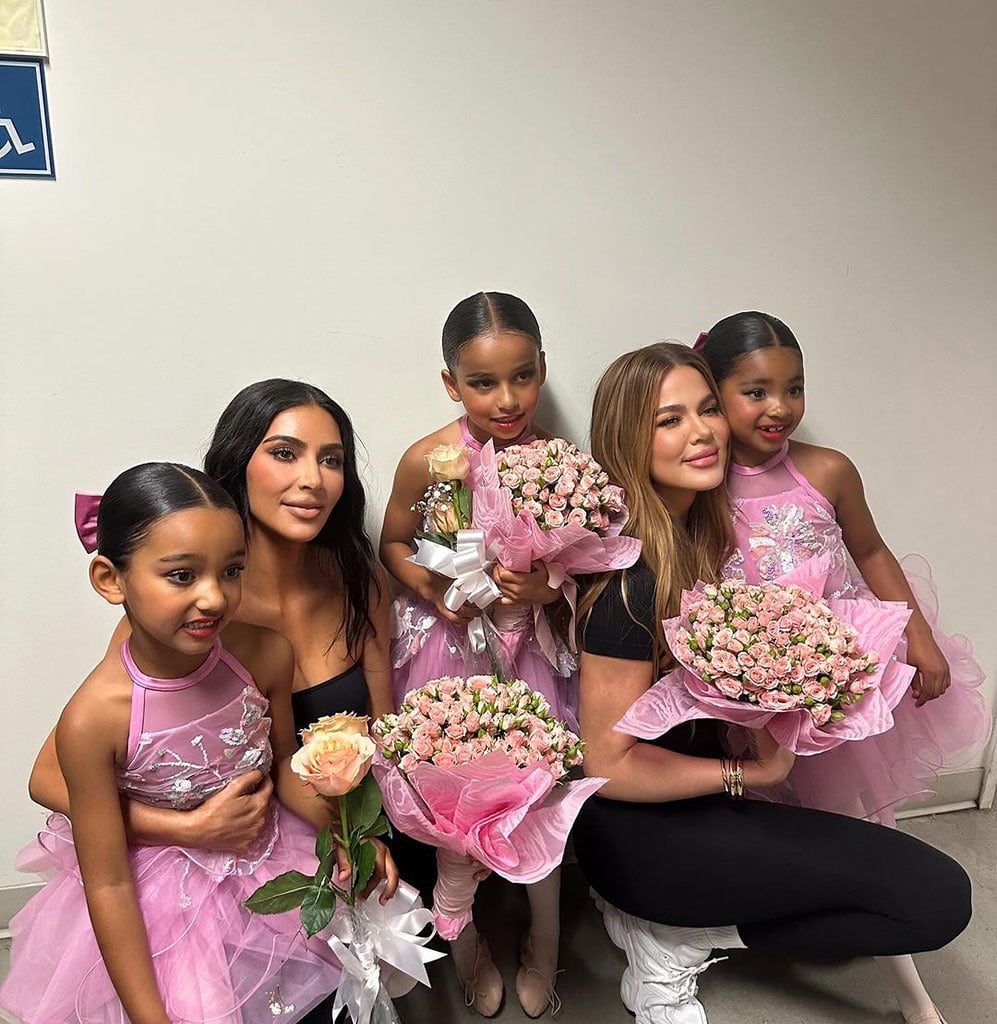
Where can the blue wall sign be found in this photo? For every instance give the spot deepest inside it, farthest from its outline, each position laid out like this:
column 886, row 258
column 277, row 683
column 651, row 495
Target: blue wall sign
column 25, row 139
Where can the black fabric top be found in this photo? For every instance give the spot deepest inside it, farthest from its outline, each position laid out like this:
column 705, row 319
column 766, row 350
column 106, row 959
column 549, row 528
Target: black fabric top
column 343, row 693
column 623, row 629
column 618, row 629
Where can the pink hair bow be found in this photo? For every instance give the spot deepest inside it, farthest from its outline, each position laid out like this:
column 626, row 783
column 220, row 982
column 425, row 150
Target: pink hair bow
column 86, row 519
column 701, row 341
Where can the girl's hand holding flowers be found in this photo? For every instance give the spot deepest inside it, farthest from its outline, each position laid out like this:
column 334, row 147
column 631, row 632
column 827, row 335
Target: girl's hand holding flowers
column 385, row 870
column 435, row 591
column 531, row 587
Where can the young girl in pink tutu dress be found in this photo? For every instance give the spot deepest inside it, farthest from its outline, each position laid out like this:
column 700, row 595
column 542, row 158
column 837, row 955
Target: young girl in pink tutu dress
column 159, row 934
column 494, row 367
column 792, row 502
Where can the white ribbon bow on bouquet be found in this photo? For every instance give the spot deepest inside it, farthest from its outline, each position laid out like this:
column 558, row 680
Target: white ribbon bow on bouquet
column 467, row 566
column 371, row 935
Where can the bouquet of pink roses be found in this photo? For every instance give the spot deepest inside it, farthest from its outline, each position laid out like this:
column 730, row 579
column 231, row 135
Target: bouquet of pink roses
column 542, row 501
column 814, row 673
column 557, row 484
column 548, row 501
column 477, row 768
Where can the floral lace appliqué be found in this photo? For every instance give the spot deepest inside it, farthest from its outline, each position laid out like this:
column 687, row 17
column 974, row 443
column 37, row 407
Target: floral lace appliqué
column 180, row 772
column 783, row 540
column 410, row 626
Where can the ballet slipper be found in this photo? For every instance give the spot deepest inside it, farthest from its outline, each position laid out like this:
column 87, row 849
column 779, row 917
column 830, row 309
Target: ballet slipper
column 933, row 1016
column 535, row 981
column 484, row 990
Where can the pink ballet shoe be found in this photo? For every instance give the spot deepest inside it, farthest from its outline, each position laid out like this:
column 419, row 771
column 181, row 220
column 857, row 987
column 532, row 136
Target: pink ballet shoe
column 484, row 991
column 535, row 984
column 932, row 1016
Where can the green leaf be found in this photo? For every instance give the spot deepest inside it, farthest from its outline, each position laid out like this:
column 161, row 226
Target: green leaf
column 285, row 892
column 325, row 850
column 380, row 827
column 365, row 863
column 317, row 908
column 436, row 538
column 462, row 502
column 364, row 806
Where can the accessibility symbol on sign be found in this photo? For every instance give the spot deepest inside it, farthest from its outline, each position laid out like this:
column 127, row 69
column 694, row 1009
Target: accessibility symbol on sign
column 25, row 140
column 14, row 142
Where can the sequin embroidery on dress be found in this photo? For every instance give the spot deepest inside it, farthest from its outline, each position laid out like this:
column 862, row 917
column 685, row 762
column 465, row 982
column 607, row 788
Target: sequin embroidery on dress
column 780, row 521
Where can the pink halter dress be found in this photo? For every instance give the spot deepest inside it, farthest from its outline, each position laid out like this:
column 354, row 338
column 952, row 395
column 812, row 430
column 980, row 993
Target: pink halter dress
column 426, row 646
column 781, row 520
column 214, row 960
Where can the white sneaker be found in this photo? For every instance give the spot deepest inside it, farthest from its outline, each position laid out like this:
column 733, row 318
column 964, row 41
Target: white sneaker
column 600, row 903
column 664, row 964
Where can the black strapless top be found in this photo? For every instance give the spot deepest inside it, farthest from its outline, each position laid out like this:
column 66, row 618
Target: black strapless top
column 345, row 692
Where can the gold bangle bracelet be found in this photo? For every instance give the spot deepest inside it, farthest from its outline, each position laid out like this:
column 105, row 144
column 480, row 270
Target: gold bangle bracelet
column 736, row 780
column 732, row 776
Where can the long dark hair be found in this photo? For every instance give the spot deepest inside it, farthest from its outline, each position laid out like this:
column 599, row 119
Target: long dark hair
column 486, row 313
column 139, row 497
column 740, row 333
column 241, row 428
column 622, row 435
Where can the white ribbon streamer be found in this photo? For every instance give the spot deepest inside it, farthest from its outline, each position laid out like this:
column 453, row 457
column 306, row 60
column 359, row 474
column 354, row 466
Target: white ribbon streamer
column 370, row 935
column 467, row 565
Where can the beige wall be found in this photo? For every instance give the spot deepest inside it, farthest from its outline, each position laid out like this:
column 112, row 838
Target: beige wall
column 304, row 189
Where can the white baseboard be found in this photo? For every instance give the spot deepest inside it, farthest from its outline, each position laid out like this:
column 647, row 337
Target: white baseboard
column 954, row 791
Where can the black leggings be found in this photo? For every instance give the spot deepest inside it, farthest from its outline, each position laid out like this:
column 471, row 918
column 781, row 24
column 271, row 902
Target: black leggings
column 791, row 879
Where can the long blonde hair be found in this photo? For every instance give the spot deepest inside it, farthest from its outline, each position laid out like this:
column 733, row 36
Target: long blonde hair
column 622, row 434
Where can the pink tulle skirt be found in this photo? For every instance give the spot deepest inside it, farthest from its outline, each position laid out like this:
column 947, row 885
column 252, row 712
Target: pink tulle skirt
column 214, row 960
column 426, row 646
column 869, row 778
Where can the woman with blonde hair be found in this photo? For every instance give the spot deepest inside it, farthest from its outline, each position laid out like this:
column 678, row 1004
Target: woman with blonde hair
column 680, row 864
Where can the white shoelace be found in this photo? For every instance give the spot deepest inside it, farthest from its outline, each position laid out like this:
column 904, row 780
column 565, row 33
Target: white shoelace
column 684, row 980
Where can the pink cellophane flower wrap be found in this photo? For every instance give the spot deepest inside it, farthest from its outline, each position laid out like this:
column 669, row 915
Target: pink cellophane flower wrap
column 516, row 539
column 682, row 695
column 478, row 768
column 512, row 820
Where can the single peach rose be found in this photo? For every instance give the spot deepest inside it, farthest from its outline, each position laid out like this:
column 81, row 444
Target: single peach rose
column 348, row 724
column 333, row 763
column 449, row 462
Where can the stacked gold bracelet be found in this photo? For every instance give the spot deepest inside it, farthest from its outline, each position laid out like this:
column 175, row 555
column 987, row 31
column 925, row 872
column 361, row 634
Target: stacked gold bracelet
column 733, row 777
